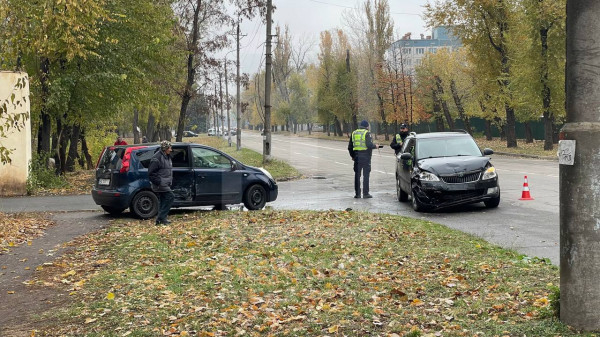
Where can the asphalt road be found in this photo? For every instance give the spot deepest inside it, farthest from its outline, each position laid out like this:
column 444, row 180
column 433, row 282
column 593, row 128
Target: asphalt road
column 530, row 227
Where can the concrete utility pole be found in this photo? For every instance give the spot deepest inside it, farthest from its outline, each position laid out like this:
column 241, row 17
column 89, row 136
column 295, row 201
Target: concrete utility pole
column 354, row 113
column 227, row 106
column 221, row 103
column 267, row 129
column 579, row 178
column 238, row 142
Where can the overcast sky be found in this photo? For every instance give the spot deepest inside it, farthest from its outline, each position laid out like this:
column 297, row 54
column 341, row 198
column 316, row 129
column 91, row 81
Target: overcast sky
column 310, row 17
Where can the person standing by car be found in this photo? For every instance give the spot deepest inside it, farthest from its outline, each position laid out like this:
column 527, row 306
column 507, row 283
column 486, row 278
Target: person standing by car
column 160, row 173
column 360, row 148
column 398, row 140
column 120, row 141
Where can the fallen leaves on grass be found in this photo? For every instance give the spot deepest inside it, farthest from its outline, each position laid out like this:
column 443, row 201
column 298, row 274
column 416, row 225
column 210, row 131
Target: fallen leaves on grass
column 297, row 273
column 17, row 229
column 77, row 183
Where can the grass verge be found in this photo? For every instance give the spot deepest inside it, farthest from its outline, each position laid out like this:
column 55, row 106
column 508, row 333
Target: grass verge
column 298, row 273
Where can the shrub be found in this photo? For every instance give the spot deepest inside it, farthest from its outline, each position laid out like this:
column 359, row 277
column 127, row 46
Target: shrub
column 41, row 176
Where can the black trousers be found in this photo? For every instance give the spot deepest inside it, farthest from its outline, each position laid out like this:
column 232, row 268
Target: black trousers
column 362, row 166
column 165, row 200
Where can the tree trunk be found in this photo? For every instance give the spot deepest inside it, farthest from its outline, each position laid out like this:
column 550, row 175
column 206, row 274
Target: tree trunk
column 191, row 72
column 151, row 134
column 546, row 97
column 501, row 127
column 488, row 130
column 328, row 130
column 382, row 115
column 338, row 126
column 86, row 151
column 460, row 108
column 136, row 132
column 46, row 122
column 440, row 89
column 73, row 144
column 437, row 112
column 63, row 143
column 528, row 133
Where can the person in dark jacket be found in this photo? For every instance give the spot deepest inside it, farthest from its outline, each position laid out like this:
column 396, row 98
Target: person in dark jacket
column 360, row 148
column 398, row 140
column 160, row 173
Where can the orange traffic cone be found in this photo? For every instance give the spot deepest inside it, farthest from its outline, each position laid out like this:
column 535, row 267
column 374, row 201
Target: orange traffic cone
column 525, row 195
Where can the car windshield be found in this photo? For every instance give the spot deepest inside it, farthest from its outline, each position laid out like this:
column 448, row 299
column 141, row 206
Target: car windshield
column 447, row 147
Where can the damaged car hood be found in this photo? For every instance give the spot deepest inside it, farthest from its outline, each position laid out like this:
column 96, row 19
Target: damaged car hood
column 453, row 165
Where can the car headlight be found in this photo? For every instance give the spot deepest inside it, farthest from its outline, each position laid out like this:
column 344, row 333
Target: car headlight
column 489, row 173
column 427, row 176
column 266, row 173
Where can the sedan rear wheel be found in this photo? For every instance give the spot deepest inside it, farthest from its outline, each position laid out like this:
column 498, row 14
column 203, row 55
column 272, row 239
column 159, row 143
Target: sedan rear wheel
column 255, row 197
column 145, row 205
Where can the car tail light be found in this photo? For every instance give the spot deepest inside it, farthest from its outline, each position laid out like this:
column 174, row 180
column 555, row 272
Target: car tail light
column 127, row 158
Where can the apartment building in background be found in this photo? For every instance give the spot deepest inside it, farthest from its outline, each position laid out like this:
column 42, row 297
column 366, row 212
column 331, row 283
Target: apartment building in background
column 410, row 52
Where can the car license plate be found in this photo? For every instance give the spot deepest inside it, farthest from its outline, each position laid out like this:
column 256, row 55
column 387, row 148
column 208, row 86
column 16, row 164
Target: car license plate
column 103, row 181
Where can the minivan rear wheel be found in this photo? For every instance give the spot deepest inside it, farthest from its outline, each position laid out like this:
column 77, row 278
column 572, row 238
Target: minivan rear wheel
column 144, row 205
column 255, row 197
column 113, row 210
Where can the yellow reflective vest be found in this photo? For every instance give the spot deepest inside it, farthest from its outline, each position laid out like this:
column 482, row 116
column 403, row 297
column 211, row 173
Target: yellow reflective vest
column 359, row 139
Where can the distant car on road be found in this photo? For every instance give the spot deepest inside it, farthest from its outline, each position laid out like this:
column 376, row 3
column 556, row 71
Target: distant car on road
column 445, row 169
column 212, row 132
column 202, row 176
column 189, row 134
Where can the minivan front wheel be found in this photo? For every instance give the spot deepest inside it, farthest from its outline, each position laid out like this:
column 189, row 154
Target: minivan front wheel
column 255, row 197
column 144, row 205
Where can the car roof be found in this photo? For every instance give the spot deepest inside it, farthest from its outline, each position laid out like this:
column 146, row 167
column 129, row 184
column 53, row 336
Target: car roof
column 152, row 144
column 441, row 135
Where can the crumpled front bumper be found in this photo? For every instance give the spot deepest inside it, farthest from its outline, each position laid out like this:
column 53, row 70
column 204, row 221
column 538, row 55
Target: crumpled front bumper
column 438, row 194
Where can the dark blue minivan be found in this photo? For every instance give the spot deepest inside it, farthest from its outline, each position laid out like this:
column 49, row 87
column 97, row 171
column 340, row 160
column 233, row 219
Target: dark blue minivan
column 202, row 176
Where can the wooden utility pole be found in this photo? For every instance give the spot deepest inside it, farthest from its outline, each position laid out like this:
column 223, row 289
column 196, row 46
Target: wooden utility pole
column 578, row 171
column 267, row 128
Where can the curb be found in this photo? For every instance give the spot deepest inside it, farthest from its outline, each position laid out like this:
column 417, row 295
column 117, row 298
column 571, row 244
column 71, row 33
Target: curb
column 532, row 156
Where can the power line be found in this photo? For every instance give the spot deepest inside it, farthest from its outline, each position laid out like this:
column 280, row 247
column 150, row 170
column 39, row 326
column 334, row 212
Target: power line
column 342, row 6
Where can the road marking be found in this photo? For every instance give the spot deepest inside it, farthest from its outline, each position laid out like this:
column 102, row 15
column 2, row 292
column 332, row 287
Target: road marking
column 337, row 162
column 315, row 157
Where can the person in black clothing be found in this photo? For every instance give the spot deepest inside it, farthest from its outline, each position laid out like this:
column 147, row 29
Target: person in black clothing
column 360, row 148
column 398, row 140
column 160, row 173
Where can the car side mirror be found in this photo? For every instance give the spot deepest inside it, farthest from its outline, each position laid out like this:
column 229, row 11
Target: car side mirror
column 406, row 156
column 487, row 151
column 234, row 166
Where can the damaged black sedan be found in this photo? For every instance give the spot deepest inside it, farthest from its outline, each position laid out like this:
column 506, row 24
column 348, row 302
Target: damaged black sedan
column 445, row 169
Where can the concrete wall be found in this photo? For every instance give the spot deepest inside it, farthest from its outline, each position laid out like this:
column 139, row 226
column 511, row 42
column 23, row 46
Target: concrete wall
column 13, row 176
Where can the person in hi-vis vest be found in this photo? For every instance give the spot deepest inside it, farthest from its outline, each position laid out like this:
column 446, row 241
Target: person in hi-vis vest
column 360, row 148
column 398, row 140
